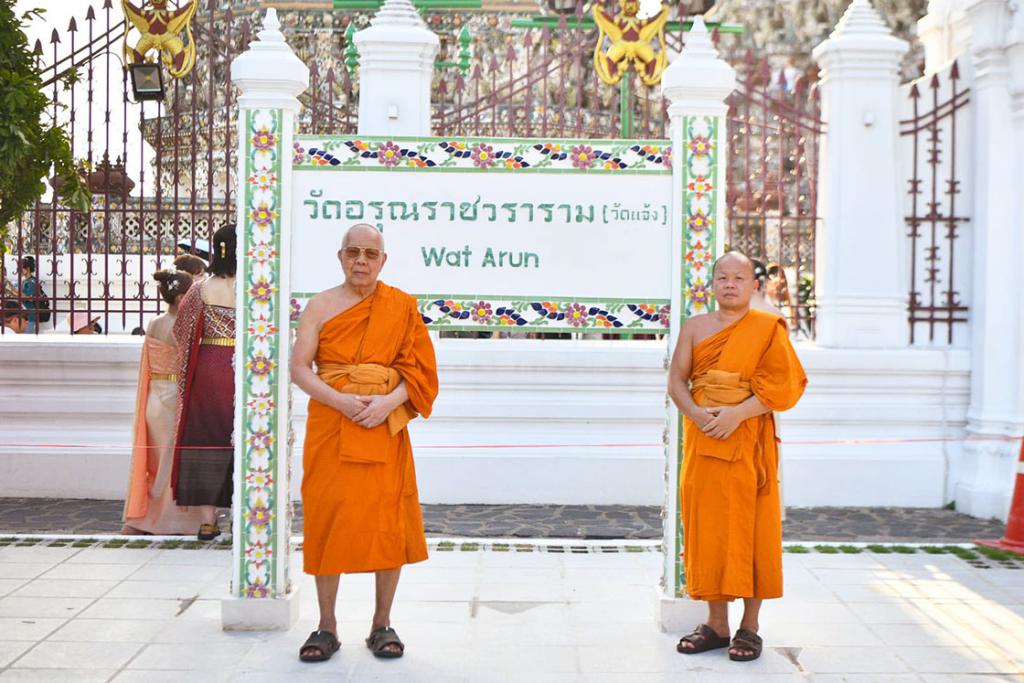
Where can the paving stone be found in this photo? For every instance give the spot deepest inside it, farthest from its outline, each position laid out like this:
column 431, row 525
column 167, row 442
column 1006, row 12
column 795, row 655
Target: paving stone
column 60, row 515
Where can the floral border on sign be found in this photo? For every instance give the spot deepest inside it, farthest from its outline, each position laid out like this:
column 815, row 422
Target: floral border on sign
column 260, row 351
column 481, row 154
column 468, row 313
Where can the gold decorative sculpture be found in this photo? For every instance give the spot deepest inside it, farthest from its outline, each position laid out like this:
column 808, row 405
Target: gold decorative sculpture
column 162, row 29
column 631, row 41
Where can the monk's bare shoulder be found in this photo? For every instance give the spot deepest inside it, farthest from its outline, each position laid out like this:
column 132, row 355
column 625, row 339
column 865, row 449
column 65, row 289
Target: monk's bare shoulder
column 319, row 307
column 696, row 326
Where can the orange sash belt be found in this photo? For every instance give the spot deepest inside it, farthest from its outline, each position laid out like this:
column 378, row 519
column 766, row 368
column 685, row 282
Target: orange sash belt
column 722, row 388
column 368, row 379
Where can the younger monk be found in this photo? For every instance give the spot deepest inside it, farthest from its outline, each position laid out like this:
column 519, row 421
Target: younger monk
column 732, row 368
column 375, row 371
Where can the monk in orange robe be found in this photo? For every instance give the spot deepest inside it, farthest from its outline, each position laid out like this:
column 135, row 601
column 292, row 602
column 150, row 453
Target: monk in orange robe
column 731, row 368
column 374, row 372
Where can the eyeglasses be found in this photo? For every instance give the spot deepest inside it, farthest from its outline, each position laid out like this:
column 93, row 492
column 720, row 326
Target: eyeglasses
column 353, row 253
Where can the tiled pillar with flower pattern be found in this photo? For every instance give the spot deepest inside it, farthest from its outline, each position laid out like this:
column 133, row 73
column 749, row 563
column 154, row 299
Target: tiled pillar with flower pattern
column 270, row 78
column 696, row 85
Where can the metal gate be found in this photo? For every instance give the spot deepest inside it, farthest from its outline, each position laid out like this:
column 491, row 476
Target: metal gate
column 163, row 174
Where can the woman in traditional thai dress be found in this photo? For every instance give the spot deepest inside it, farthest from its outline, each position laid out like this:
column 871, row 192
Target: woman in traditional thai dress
column 205, row 333
column 149, row 506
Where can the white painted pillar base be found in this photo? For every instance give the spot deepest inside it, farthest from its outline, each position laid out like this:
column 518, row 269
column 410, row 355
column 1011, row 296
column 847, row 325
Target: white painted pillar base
column 680, row 615
column 997, row 406
column 270, row 77
column 260, row 614
column 696, row 85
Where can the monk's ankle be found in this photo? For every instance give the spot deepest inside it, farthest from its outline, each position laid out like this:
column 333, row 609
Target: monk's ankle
column 330, row 626
column 721, row 629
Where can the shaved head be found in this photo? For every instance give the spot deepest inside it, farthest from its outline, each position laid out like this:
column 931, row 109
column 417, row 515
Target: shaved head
column 364, row 235
column 733, row 281
column 734, row 257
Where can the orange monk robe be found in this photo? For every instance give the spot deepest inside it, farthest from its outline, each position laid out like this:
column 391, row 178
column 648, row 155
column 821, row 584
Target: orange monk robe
column 729, row 490
column 359, row 497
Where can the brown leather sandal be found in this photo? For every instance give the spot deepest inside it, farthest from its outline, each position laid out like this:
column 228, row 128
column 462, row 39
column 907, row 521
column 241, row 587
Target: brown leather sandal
column 703, row 639
column 745, row 640
column 319, row 647
column 379, row 641
column 208, row 532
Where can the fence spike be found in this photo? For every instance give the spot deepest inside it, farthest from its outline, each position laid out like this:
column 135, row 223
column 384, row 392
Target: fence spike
column 54, row 38
column 107, row 4
column 72, row 26
column 37, row 49
column 510, row 54
column 914, row 92
column 90, row 14
column 954, row 72
column 229, row 14
column 934, row 85
column 528, row 41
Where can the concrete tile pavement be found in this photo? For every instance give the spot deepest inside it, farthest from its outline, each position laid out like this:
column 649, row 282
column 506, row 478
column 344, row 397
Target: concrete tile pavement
column 153, row 615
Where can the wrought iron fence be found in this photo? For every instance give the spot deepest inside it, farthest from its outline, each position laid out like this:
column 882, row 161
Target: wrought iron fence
column 774, row 126
column 163, row 176
column 936, row 210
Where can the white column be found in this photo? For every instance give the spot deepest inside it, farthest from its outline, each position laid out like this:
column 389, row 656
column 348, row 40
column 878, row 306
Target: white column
column 1015, row 54
column 995, row 309
column 396, row 65
column 696, row 85
column 943, row 32
column 270, row 78
column 861, row 273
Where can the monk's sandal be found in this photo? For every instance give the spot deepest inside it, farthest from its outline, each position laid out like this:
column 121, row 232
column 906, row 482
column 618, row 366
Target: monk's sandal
column 380, row 639
column 745, row 640
column 703, row 639
column 324, row 642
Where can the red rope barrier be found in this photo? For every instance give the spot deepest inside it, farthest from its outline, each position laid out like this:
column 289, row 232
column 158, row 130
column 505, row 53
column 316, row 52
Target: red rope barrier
column 822, row 442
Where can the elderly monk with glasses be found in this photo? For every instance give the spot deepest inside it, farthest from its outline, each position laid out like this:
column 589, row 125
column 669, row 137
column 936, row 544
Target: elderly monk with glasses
column 364, row 356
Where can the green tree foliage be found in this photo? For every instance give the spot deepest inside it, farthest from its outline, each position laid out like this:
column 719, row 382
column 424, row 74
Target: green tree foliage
column 30, row 141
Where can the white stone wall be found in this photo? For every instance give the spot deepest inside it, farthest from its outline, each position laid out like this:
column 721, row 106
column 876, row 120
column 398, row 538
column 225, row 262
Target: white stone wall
column 511, row 392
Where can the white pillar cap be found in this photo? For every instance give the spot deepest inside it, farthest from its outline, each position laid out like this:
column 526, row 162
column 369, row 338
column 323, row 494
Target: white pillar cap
column 397, row 21
column 862, row 32
column 269, row 73
column 698, row 77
